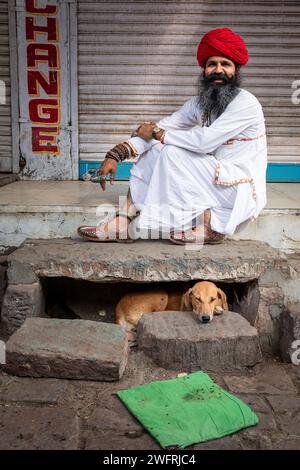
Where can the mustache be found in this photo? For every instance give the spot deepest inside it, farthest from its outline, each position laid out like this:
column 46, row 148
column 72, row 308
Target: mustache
column 219, row 76
column 215, row 76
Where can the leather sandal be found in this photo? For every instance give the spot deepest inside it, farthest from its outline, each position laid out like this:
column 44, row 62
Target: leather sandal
column 182, row 238
column 91, row 233
column 211, row 237
column 185, row 238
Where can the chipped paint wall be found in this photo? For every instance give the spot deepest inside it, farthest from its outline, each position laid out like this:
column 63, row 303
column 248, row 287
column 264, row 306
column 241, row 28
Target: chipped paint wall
column 44, row 90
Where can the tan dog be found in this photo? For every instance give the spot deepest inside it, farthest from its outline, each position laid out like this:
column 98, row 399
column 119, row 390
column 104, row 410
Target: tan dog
column 204, row 299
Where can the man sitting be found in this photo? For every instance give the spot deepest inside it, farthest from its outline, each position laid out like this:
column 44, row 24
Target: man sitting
column 208, row 159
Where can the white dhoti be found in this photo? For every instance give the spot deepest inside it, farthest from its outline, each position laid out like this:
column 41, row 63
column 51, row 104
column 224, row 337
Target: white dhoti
column 172, row 187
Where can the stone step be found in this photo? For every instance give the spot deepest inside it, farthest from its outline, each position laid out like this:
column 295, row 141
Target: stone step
column 55, row 209
column 179, row 341
column 258, row 272
column 69, row 349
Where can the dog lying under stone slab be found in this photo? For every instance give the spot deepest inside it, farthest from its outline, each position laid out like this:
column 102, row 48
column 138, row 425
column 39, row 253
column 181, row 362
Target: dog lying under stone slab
column 205, row 299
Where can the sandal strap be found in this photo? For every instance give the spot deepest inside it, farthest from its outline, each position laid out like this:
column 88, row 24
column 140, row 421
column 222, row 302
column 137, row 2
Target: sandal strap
column 125, row 214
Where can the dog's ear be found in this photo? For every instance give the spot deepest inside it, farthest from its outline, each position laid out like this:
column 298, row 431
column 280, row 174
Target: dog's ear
column 223, row 299
column 186, row 301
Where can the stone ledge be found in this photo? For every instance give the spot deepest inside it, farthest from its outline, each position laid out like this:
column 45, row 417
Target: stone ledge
column 74, row 349
column 177, row 340
column 142, row 261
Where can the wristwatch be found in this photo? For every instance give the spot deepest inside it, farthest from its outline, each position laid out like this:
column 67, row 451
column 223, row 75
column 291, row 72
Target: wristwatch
column 155, row 131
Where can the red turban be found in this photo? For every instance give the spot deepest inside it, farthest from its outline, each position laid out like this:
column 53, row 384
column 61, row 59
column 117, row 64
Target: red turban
column 222, row 42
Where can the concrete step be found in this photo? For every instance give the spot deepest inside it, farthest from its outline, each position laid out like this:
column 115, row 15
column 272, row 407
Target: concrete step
column 70, row 349
column 253, row 275
column 54, row 209
column 179, row 341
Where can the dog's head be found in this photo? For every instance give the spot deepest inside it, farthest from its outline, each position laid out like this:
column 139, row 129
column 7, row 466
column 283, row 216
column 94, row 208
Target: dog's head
column 205, row 299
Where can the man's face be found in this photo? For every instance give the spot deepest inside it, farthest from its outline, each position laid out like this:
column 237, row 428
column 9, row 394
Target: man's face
column 217, row 65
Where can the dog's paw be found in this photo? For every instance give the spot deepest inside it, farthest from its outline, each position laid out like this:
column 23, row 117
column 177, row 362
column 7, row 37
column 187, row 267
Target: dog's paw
column 218, row 311
column 131, row 336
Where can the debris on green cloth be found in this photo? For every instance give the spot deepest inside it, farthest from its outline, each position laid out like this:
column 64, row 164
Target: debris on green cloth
column 187, row 410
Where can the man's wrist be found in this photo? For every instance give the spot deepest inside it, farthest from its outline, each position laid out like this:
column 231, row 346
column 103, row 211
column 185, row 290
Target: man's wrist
column 157, row 133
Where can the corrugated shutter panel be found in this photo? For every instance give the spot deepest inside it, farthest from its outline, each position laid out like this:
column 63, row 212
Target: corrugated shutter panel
column 137, row 62
column 5, row 111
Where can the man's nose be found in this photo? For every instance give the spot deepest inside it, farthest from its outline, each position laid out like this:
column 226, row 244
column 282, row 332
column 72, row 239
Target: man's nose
column 219, row 68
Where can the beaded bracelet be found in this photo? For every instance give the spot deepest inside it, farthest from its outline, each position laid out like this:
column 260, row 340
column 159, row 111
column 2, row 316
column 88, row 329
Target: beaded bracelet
column 122, row 152
column 111, row 157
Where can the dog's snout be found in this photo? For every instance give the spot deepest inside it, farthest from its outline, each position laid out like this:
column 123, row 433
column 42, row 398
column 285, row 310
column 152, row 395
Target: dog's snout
column 205, row 318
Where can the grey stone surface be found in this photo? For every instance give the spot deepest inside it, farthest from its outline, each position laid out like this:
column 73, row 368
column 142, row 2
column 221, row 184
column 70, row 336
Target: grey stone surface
column 105, row 423
column 19, row 272
column 262, row 409
column 271, row 380
column 254, row 439
column 144, row 261
column 20, row 302
column 2, row 283
column 177, row 340
column 45, row 428
column 287, row 410
column 268, row 318
column 293, row 371
column 290, row 333
column 78, row 349
column 116, row 429
column 292, row 443
column 225, row 443
column 23, row 390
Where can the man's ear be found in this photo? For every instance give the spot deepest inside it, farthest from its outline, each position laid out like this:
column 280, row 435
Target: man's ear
column 186, row 301
column 223, row 299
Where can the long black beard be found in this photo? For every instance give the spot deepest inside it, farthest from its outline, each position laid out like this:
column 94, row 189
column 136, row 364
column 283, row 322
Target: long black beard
column 214, row 98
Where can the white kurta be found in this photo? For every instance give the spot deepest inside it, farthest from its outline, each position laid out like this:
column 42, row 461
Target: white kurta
column 221, row 167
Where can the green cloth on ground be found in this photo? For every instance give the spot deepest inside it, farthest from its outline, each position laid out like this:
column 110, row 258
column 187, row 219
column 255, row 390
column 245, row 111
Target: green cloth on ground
column 187, row 410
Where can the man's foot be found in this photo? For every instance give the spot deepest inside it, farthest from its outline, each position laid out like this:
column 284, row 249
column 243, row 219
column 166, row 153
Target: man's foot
column 114, row 230
column 199, row 235
column 182, row 238
column 209, row 237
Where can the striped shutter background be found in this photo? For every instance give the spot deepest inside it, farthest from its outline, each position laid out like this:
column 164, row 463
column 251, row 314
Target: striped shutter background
column 137, row 61
column 5, row 111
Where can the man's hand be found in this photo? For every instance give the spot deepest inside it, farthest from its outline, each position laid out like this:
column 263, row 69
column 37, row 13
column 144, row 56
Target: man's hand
column 145, row 130
column 108, row 166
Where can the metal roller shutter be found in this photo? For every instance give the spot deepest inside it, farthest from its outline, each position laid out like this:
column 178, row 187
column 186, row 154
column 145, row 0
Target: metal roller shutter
column 137, row 62
column 5, row 110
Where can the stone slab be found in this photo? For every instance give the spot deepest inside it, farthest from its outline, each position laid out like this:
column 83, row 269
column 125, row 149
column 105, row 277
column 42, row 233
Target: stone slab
column 270, row 379
column 46, row 428
column 287, row 411
column 116, row 428
column 25, row 390
column 143, row 261
column 263, row 411
column 177, row 340
column 75, row 349
column 225, row 443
